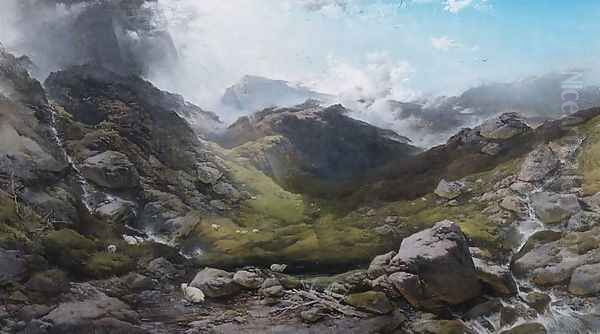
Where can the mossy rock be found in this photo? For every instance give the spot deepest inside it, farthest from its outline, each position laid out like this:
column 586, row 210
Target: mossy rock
column 68, row 248
column 371, row 301
column 102, row 265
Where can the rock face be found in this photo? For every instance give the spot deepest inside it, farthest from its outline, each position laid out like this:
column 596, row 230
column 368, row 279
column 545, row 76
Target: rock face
column 434, row 268
column 554, row 208
column 110, row 170
column 13, row 266
column 504, row 127
column 319, row 142
column 449, row 190
column 215, row 283
column 538, row 164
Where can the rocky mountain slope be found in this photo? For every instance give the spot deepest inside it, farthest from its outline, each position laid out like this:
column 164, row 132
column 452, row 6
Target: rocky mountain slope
column 118, row 215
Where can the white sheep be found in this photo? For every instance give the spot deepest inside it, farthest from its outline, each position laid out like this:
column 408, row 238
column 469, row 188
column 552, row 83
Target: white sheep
column 192, row 294
column 111, row 249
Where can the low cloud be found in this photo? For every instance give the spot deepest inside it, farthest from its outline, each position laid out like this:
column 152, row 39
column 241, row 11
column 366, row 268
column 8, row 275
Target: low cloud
column 443, row 43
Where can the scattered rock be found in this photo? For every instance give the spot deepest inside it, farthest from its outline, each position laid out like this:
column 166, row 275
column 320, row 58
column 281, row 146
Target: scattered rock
column 370, row 301
column 248, row 279
column 271, row 290
column 538, row 164
column 215, row 283
column 552, row 208
column 439, row 327
column 514, row 204
column 449, row 190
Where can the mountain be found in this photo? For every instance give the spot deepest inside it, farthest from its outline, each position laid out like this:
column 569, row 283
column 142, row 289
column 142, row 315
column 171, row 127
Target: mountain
column 537, row 99
column 254, row 93
column 117, row 215
column 311, row 141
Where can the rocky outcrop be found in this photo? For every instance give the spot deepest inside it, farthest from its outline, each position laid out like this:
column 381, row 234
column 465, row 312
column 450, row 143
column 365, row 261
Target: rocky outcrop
column 111, row 170
column 323, row 142
column 538, row 164
column 504, row 127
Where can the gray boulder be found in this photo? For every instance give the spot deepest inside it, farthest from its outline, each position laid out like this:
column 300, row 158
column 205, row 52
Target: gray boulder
column 248, row 279
column 111, row 170
column 449, row 190
column 215, row 283
column 538, row 164
column 500, row 279
column 380, row 265
column 435, row 268
column 585, row 280
column 552, row 208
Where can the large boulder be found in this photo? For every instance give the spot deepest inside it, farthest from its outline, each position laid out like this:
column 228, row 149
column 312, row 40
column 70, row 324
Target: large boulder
column 538, row 164
column 585, row 280
column 503, row 127
column 552, row 208
column 500, row 279
column 111, row 170
column 435, row 268
column 215, row 283
column 449, row 190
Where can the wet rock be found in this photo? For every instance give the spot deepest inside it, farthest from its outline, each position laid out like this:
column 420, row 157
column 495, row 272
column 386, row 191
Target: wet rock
column 50, row 282
column 370, row 301
column 522, row 188
column 117, row 211
column 585, row 280
column 248, row 279
column 30, row 312
column 514, row 204
column 439, row 327
column 528, row 328
column 215, row 283
column 509, row 315
column 538, row 301
column 312, row 315
column 380, row 265
column 484, row 309
column 111, row 170
column 500, row 279
column 449, row 190
column 436, row 268
column 552, row 208
column 539, row 163
column 13, row 266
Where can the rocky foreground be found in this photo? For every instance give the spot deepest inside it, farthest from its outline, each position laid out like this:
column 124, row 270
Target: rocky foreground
column 118, row 214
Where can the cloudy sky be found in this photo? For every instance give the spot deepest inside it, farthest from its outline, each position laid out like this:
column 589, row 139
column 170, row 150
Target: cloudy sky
column 399, row 48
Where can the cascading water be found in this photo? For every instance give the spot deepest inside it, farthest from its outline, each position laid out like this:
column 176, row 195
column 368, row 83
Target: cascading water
column 84, row 186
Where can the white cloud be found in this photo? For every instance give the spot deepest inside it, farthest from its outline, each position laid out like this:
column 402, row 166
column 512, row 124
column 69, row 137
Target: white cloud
column 443, row 43
column 455, row 6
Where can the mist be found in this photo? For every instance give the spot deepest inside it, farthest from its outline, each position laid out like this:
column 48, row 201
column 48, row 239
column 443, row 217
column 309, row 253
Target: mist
column 366, row 55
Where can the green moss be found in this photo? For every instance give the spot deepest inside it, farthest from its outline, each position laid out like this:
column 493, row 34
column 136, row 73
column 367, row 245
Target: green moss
column 589, row 157
column 68, row 248
column 101, row 265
